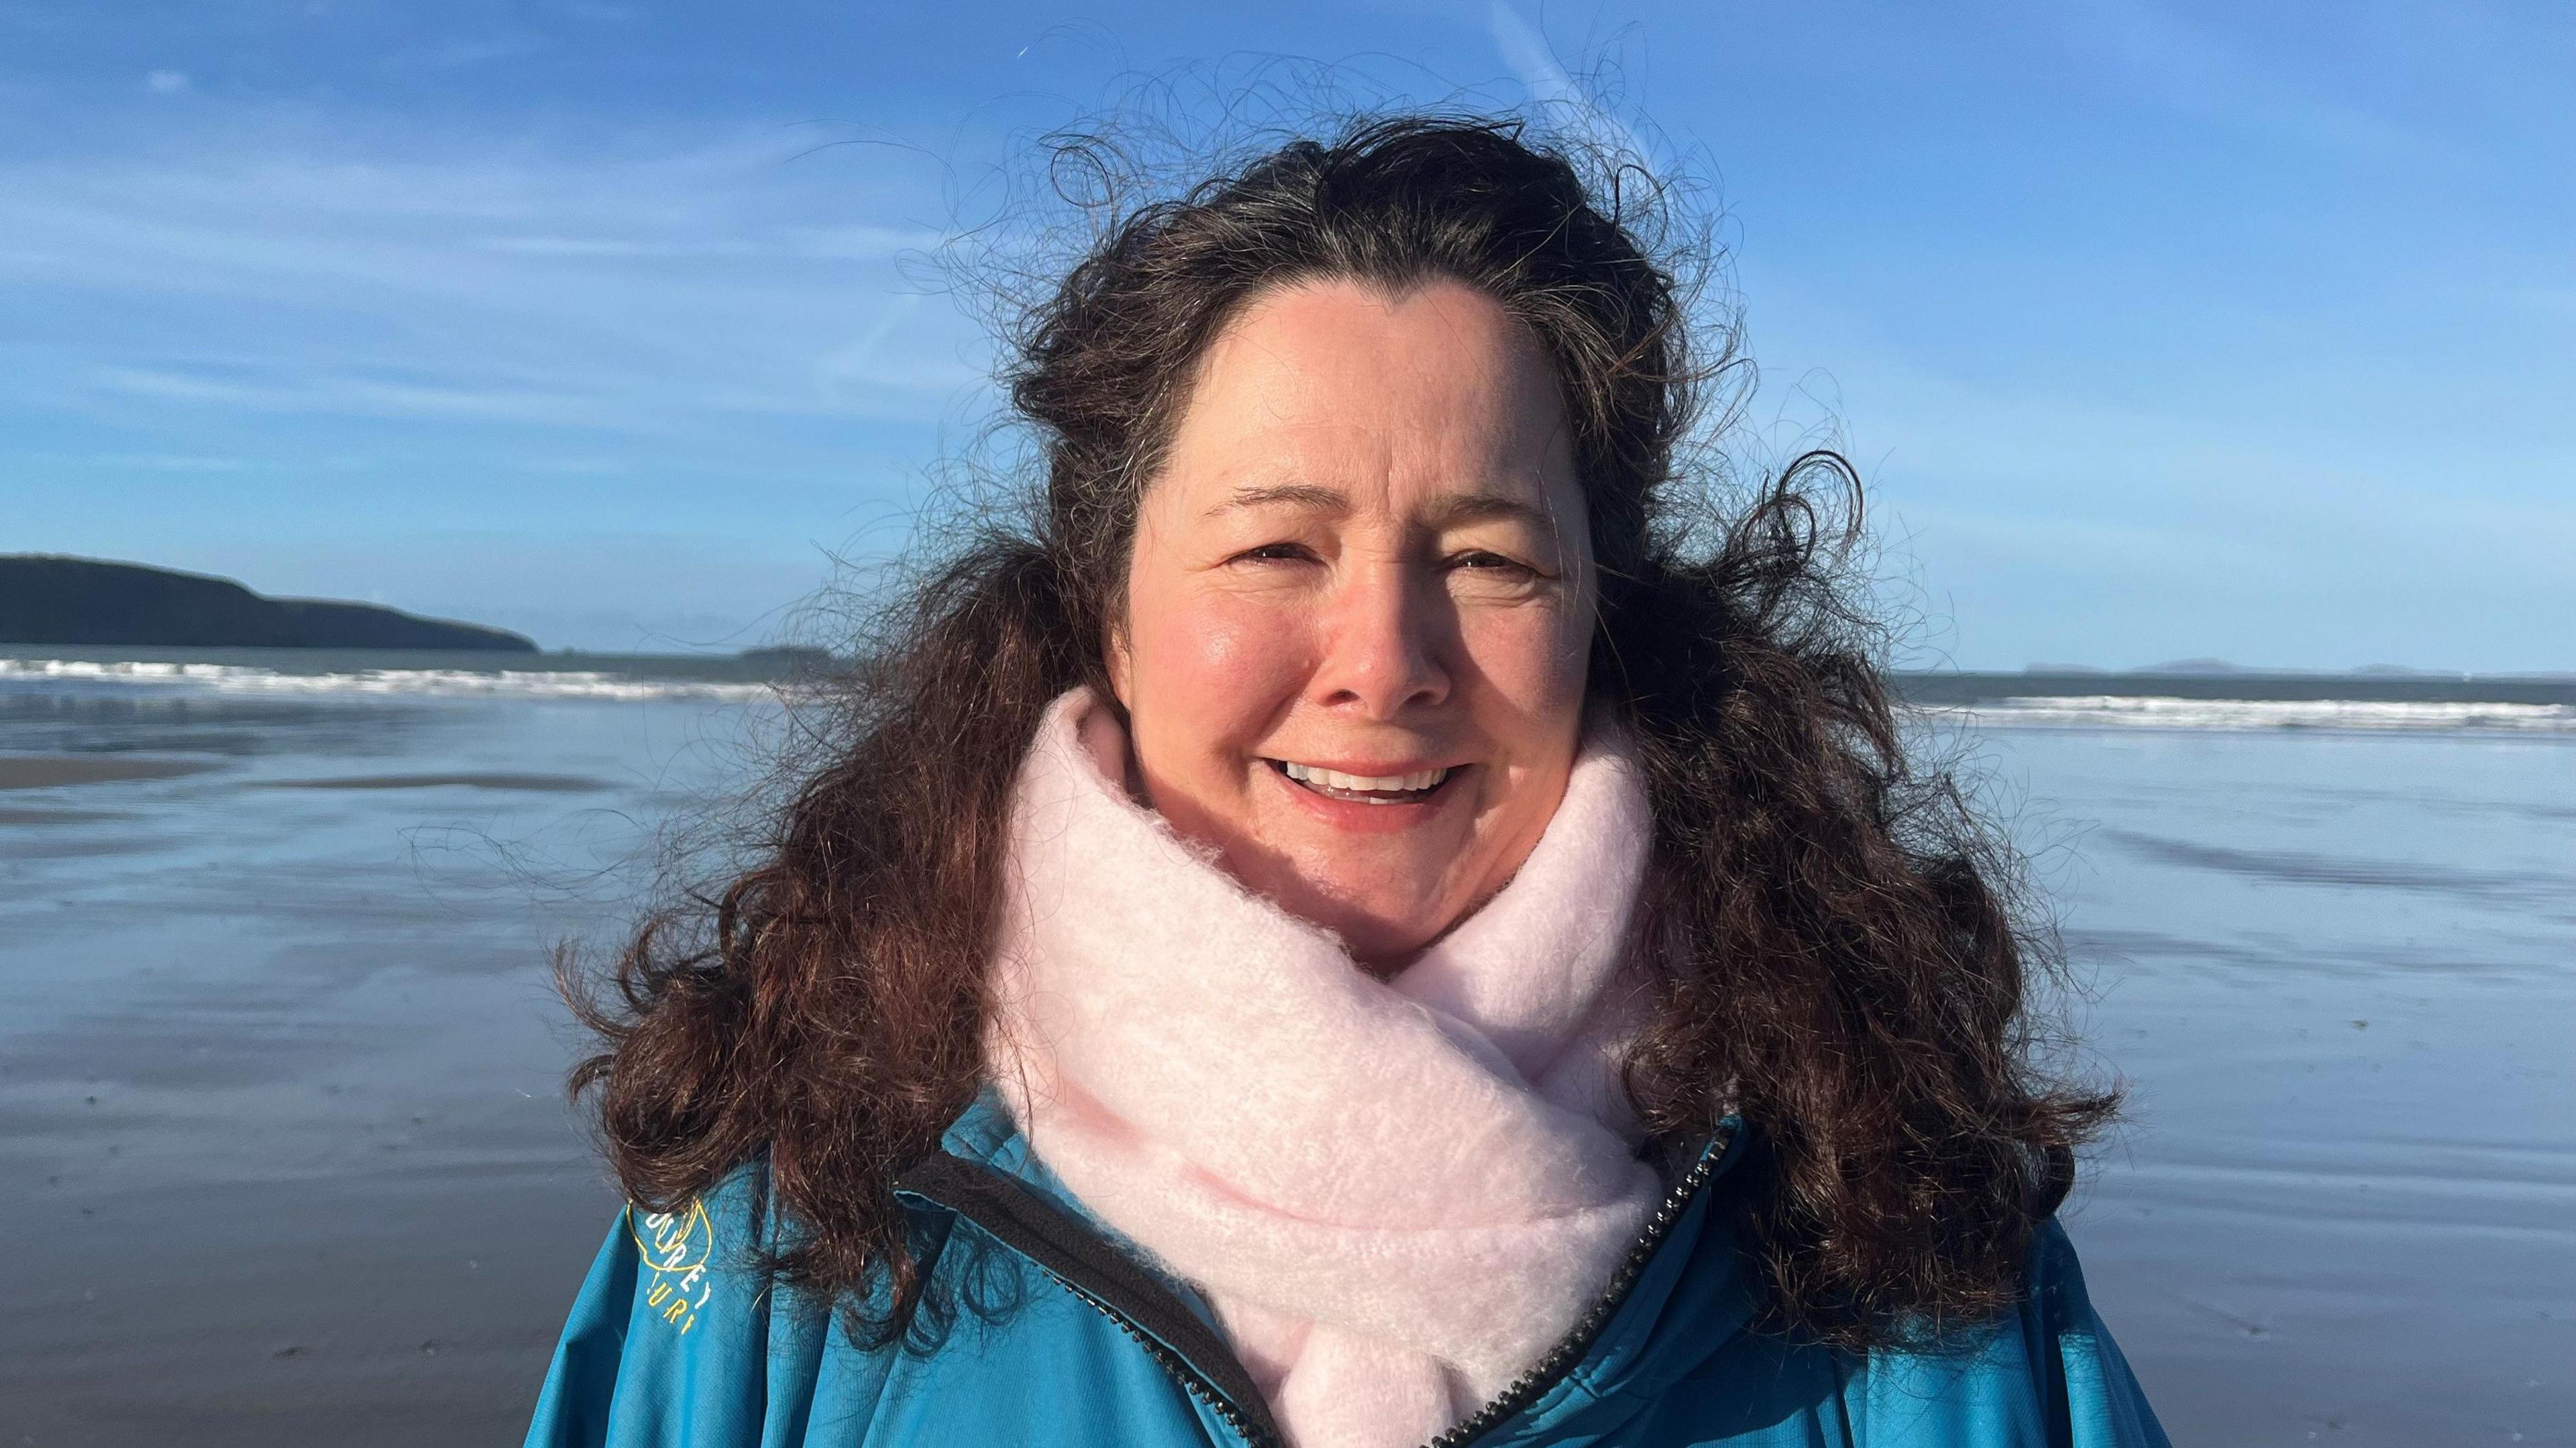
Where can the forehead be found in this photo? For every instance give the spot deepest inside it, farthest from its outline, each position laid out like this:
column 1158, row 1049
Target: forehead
column 1354, row 386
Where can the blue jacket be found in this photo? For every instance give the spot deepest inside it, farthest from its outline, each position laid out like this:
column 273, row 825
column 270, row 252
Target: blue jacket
column 675, row 1341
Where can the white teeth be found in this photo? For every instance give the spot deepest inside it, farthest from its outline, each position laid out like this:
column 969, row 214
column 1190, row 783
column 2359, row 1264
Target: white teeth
column 1413, row 783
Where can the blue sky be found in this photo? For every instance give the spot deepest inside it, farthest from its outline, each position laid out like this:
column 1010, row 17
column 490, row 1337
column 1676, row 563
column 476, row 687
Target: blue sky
column 2158, row 329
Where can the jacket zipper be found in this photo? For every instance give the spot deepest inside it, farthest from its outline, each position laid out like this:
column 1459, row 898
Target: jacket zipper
column 1181, row 1369
column 1523, row 1390
column 1560, row 1360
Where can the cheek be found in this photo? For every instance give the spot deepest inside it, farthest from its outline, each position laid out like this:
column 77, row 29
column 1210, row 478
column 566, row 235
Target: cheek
column 1535, row 661
column 1211, row 674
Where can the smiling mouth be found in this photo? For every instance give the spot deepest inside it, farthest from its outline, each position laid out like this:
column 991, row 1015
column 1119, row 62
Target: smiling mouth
column 1365, row 789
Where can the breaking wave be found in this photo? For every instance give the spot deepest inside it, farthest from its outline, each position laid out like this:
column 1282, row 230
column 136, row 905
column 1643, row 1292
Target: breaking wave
column 2098, row 711
column 2119, row 711
column 449, row 683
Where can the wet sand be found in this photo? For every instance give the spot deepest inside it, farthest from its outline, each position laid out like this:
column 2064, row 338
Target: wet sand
column 282, row 1141
column 2339, row 973
column 539, row 783
column 55, row 771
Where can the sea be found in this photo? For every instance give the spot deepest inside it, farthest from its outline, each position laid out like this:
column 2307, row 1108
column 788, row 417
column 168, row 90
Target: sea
column 285, row 1157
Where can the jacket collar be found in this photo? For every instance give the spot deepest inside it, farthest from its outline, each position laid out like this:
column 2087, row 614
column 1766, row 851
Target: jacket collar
column 985, row 1134
column 1690, row 1298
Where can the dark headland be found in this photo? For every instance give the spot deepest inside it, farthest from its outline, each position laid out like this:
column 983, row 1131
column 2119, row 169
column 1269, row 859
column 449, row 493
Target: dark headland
column 52, row 600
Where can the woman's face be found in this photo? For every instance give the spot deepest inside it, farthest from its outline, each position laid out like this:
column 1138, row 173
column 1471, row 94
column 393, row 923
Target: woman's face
column 1360, row 606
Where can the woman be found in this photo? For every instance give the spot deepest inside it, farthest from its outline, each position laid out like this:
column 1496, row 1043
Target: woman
column 1366, row 923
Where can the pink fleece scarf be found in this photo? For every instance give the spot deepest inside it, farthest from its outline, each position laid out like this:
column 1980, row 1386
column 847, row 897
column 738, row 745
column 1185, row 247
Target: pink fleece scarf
column 1397, row 1195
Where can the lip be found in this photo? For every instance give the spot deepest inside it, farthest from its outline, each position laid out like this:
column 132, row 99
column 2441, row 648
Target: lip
column 1360, row 817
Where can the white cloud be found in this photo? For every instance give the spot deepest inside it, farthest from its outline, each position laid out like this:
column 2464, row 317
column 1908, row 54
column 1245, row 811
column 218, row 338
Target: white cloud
column 2194, row 71
column 1525, row 48
column 630, row 290
column 838, row 243
column 2548, row 301
column 345, row 395
column 860, row 365
column 174, row 462
column 166, row 82
column 2060, row 524
column 460, row 53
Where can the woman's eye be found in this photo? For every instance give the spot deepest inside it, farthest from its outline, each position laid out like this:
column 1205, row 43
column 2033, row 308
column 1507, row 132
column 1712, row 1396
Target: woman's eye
column 1275, row 553
column 1491, row 562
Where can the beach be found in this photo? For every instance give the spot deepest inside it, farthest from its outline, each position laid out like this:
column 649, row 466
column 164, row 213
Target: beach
column 283, row 1137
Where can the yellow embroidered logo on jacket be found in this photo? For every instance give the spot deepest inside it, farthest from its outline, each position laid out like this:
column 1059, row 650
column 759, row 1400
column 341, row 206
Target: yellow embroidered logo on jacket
column 676, row 1249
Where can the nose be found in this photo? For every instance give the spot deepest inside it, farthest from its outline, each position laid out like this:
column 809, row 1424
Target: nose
column 1386, row 636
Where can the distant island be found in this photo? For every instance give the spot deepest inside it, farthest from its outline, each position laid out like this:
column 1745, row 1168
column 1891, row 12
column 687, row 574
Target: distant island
column 49, row 599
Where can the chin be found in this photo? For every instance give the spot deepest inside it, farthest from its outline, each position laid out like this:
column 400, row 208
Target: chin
column 1374, row 927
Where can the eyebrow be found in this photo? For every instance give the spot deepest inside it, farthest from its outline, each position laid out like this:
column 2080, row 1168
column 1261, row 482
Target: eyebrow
column 1480, row 507
column 1309, row 496
column 1449, row 512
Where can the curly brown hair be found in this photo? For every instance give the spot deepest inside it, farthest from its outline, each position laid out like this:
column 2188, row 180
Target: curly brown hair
column 1833, row 934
